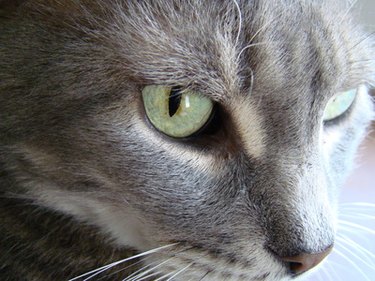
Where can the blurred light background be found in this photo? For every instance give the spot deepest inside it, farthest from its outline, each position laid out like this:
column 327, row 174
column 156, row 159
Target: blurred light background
column 354, row 257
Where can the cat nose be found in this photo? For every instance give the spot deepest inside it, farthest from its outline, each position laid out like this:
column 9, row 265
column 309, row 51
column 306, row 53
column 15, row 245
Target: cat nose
column 304, row 262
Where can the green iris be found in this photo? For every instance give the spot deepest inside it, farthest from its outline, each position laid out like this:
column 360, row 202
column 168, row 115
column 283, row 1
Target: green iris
column 339, row 104
column 176, row 113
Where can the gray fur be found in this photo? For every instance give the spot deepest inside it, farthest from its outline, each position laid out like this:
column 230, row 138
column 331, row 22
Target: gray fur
column 79, row 158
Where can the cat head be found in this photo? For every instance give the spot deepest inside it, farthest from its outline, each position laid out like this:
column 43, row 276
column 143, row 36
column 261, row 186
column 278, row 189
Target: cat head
column 241, row 194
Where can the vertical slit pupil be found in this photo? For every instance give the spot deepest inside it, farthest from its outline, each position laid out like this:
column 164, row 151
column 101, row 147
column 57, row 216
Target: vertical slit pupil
column 174, row 101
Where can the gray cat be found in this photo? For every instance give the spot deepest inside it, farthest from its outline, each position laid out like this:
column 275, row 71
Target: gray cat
column 203, row 140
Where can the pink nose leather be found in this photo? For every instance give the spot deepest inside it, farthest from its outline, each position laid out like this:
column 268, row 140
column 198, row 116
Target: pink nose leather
column 304, row 262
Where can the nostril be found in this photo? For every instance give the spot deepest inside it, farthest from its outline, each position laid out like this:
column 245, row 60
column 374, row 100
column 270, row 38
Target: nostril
column 295, row 267
column 303, row 262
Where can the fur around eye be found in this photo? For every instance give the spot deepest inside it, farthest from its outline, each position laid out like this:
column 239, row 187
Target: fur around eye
column 176, row 113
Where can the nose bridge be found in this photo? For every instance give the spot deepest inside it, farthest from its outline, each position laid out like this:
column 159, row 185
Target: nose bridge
column 289, row 130
column 297, row 211
column 290, row 186
column 292, row 232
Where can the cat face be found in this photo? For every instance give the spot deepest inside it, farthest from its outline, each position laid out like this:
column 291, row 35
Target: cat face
column 256, row 184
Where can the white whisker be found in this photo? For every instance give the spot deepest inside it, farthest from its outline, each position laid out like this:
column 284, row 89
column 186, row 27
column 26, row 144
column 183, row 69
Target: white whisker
column 107, row 268
column 96, row 273
column 239, row 21
column 148, row 276
column 139, row 271
column 325, row 272
column 358, row 216
column 362, row 258
column 358, row 204
column 249, row 46
column 122, row 261
column 180, row 271
column 164, row 276
column 332, row 269
column 122, row 269
column 253, row 38
column 351, row 262
column 361, row 204
column 141, row 274
column 355, row 245
column 353, row 232
column 357, row 226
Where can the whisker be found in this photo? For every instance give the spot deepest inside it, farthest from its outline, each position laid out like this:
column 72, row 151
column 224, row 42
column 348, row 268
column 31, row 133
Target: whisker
column 358, row 204
column 333, row 265
column 97, row 272
column 332, row 268
column 351, row 262
column 148, row 276
column 180, row 271
column 325, row 272
column 350, row 242
column 118, row 271
column 353, row 253
column 164, row 276
column 249, row 46
column 353, row 232
column 254, row 36
column 357, row 226
column 107, row 268
column 239, row 21
column 141, row 274
column 358, row 216
column 124, row 260
column 135, row 273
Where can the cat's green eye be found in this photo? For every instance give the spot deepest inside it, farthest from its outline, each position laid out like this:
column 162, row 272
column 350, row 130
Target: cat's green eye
column 339, row 104
column 176, row 113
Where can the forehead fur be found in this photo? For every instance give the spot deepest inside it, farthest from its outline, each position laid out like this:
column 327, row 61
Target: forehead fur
column 218, row 47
